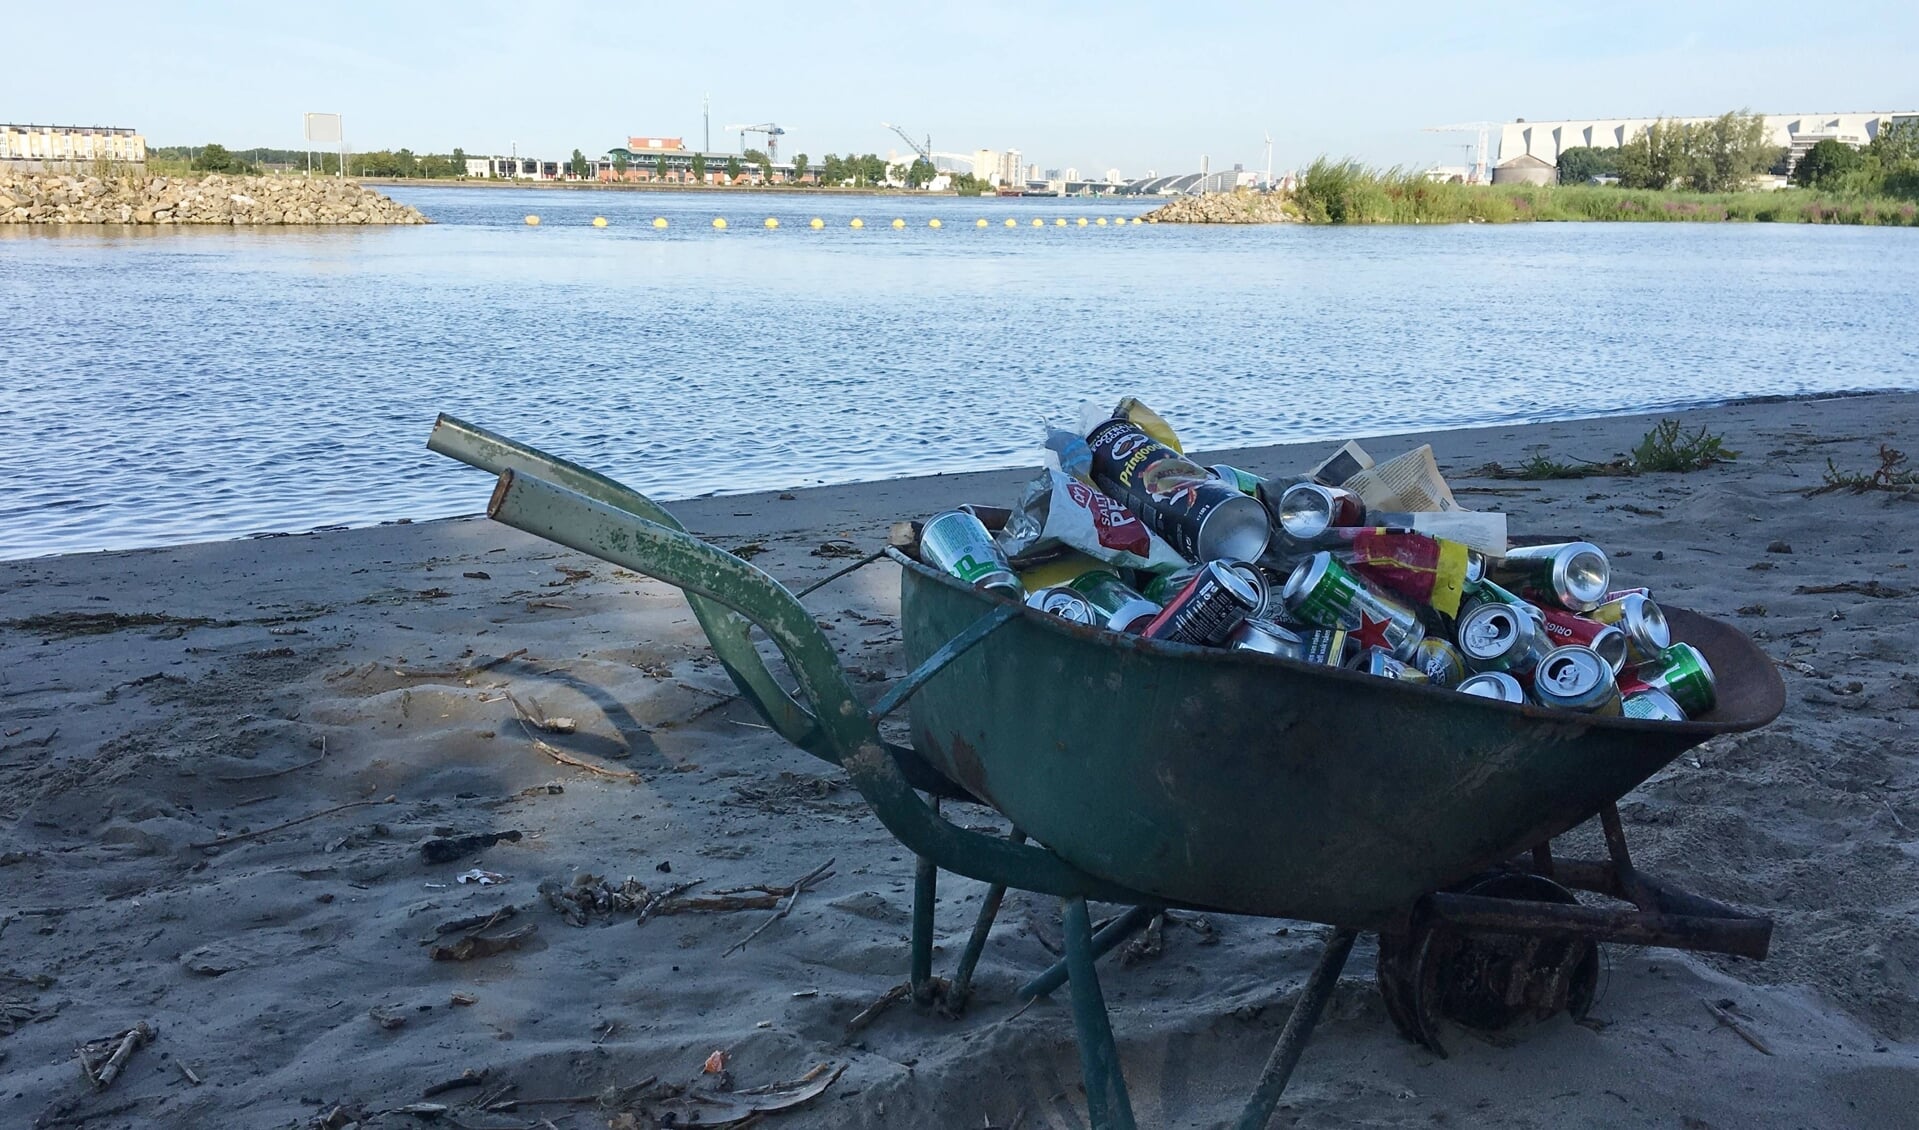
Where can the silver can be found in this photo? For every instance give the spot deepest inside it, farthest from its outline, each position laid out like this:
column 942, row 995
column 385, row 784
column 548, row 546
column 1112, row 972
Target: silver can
column 1576, row 678
column 1326, row 594
column 1574, row 575
column 1066, row 604
column 1652, row 704
column 1440, row 661
column 1642, row 621
column 1307, row 510
column 1267, row 638
column 957, row 543
column 1494, row 685
column 1501, row 637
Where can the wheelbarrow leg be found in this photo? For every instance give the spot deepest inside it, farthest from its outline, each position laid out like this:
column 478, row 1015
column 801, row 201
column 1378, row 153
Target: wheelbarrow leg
column 925, row 886
column 976, row 944
column 1107, row 1105
column 1112, row 934
column 1299, row 1028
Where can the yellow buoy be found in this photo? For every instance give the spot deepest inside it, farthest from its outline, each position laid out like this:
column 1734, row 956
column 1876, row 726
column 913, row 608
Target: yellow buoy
column 1011, row 222
column 719, row 224
column 659, row 221
column 1038, row 223
column 1081, row 221
column 532, row 221
column 979, row 223
column 899, row 223
column 818, row 223
column 1060, row 223
column 1137, row 220
column 771, row 222
column 1101, row 221
column 599, row 221
column 857, row 223
column 933, row 223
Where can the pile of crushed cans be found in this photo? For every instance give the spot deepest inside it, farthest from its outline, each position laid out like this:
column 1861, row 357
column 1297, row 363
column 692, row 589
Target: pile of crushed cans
column 1122, row 531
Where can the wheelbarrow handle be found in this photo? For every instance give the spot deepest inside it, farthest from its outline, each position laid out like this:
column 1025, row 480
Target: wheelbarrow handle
column 492, row 452
column 527, row 502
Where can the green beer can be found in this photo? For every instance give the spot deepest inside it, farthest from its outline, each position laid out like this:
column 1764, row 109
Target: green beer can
column 1323, row 592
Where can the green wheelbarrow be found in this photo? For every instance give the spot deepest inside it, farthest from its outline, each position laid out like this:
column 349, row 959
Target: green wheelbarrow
column 1161, row 776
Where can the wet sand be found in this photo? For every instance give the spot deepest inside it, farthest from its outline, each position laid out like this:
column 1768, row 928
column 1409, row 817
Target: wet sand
column 156, row 700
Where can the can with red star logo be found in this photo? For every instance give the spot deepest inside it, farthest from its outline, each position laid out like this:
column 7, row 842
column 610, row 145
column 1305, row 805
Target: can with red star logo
column 1325, row 593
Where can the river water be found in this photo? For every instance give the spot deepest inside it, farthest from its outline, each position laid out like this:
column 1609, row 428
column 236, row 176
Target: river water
column 168, row 385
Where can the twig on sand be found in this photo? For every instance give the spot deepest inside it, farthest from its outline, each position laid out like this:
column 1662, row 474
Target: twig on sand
column 872, row 1011
column 124, row 1044
column 785, row 908
column 467, row 1078
column 223, row 841
column 244, row 778
column 1740, row 1030
column 79, row 1117
column 563, row 757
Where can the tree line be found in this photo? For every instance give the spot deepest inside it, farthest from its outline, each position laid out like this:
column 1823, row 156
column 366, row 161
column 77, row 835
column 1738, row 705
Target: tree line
column 1726, row 153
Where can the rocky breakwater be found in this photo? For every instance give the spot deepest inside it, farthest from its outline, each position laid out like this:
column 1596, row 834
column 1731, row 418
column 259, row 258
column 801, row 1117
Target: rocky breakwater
column 1240, row 207
column 71, row 198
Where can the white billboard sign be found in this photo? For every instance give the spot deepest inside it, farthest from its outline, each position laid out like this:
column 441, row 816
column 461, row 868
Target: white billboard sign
column 324, row 128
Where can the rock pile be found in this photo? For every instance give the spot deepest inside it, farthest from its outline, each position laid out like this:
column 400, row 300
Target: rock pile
column 70, row 198
column 1238, row 207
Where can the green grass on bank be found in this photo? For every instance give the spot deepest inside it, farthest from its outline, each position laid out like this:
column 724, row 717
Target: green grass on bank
column 1346, row 192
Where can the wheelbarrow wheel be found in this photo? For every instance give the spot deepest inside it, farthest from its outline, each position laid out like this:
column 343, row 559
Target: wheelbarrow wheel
column 1485, row 981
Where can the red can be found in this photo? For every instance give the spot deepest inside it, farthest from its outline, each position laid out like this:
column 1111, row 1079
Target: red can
column 1566, row 628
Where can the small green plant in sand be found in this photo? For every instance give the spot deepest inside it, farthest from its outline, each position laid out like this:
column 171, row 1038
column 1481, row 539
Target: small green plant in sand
column 1669, row 447
column 1892, row 474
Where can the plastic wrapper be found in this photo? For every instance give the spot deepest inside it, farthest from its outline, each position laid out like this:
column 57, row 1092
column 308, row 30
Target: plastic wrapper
column 1055, row 510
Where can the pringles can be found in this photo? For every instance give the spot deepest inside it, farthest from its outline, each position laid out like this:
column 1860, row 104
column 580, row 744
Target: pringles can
column 957, row 543
column 1502, row 637
column 1573, row 575
column 1120, row 607
column 1682, row 672
column 1202, row 517
column 1566, row 628
column 1644, row 625
column 1066, row 604
column 1325, row 593
column 1207, row 610
column 1495, row 685
column 1576, row 678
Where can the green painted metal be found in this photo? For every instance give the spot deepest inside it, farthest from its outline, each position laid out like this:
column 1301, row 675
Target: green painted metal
column 925, row 890
column 1108, row 1106
column 1256, row 785
column 1112, row 934
column 1299, row 1029
column 962, row 986
column 952, row 649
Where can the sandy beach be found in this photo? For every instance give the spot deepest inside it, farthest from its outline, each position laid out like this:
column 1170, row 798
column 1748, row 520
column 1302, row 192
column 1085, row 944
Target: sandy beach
column 155, row 701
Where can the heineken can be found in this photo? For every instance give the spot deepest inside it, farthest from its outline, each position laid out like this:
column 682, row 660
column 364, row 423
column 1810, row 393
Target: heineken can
column 1307, row 510
column 1494, row 685
column 1475, row 593
column 1202, row 517
column 1267, row 638
column 1576, row 678
column 1574, row 574
column 1652, row 705
column 1378, row 661
column 1245, row 482
column 1330, row 647
column 957, row 543
column 1207, row 610
column 1641, row 621
column 1120, row 607
column 1501, row 637
column 1566, row 628
column 1325, row 593
column 1439, row 661
column 1682, row 672
column 1066, row 604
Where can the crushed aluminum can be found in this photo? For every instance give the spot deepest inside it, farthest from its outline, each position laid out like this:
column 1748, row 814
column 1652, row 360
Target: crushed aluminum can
column 1066, row 604
column 1440, row 662
column 1652, row 705
column 1494, row 685
column 1307, row 510
column 1203, row 518
column 957, row 543
column 1325, row 593
column 1267, row 638
column 1120, row 607
column 1573, row 574
column 1207, row 610
column 1330, row 647
column 1682, row 672
column 1576, row 678
column 1501, row 637
column 1378, row 661
column 1565, row 628
column 1640, row 619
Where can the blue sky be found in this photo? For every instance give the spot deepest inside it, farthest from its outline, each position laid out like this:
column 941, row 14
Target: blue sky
column 1118, row 84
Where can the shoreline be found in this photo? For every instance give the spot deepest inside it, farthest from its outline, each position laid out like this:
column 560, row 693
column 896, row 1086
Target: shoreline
column 168, row 697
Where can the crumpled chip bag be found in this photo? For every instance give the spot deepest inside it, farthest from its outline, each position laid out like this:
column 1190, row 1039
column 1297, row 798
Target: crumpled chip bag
column 1055, row 509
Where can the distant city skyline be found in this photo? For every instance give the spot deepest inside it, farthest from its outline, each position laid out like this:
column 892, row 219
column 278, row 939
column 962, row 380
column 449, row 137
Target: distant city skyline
column 1117, row 85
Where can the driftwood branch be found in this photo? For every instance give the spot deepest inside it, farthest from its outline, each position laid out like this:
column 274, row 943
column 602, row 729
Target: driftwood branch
column 223, row 841
column 560, row 755
column 786, row 907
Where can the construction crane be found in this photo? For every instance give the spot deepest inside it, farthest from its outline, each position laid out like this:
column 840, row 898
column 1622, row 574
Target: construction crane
column 924, row 149
column 773, row 134
column 1480, row 128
